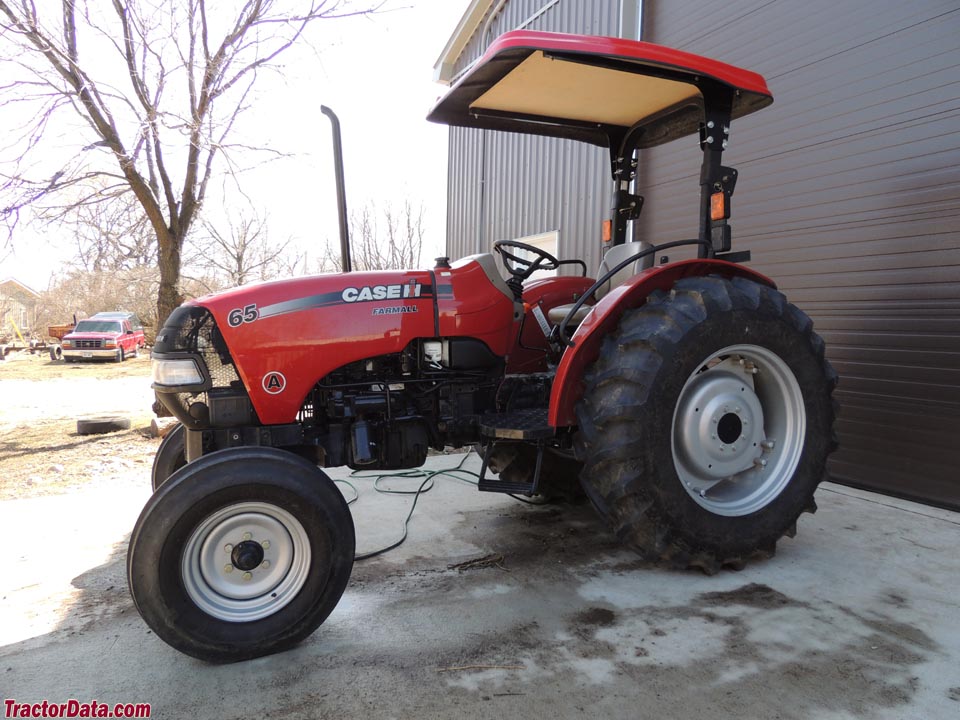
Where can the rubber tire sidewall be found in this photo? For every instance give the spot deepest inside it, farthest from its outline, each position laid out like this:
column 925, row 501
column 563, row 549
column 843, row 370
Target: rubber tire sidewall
column 201, row 488
column 170, row 457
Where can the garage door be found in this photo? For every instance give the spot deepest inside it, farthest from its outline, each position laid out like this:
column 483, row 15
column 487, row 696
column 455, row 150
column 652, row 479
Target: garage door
column 848, row 197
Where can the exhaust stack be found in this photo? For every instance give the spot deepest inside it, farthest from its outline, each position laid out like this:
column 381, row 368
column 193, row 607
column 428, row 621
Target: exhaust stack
column 341, row 191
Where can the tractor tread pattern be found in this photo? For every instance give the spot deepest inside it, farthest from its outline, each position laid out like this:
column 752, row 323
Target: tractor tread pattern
column 619, row 386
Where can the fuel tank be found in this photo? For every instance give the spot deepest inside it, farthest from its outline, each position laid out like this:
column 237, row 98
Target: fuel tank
column 285, row 336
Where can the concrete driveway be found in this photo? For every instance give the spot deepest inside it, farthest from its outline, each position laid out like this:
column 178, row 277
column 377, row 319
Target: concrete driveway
column 858, row 617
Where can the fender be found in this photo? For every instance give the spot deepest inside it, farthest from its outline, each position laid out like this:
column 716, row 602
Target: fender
column 568, row 383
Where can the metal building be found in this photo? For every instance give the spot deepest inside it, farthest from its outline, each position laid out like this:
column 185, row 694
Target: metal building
column 849, row 194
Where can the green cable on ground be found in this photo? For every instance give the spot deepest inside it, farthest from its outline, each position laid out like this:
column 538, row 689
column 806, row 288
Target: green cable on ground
column 426, row 486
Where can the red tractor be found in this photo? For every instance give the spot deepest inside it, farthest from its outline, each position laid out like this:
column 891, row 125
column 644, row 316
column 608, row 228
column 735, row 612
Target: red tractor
column 689, row 400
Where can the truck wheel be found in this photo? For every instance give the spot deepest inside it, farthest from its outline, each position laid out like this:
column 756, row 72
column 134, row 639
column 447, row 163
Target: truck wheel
column 559, row 475
column 56, row 353
column 706, row 423
column 242, row 553
column 170, row 456
column 119, row 357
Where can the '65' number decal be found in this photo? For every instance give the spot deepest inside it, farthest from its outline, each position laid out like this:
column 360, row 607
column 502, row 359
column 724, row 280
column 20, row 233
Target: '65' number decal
column 239, row 316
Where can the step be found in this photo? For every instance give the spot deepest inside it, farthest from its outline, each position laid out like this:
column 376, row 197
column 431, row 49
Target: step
column 529, row 424
column 487, row 485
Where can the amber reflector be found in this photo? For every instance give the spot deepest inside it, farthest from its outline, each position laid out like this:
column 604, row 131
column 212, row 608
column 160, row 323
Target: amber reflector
column 607, row 233
column 718, row 206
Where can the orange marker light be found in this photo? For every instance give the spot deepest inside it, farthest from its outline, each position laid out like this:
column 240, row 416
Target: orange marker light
column 718, row 206
column 607, row 233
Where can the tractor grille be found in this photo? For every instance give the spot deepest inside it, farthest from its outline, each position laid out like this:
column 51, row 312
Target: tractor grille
column 88, row 344
column 192, row 329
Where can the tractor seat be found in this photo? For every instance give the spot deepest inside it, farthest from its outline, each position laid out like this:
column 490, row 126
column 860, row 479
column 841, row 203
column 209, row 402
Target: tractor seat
column 613, row 257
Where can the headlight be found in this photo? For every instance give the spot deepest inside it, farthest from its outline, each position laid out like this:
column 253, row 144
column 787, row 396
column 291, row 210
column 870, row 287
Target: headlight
column 110, row 343
column 66, row 343
column 176, row 372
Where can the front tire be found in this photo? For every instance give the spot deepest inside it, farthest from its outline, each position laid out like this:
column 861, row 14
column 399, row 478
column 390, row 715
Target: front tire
column 170, row 457
column 706, row 423
column 242, row 553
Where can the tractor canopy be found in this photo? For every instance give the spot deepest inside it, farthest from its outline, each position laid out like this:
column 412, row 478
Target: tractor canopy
column 595, row 89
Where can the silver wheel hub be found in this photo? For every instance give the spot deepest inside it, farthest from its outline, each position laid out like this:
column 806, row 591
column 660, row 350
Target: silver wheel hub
column 738, row 430
column 246, row 561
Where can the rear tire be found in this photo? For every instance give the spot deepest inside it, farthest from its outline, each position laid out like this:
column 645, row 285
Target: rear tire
column 170, row 457
column 277, row 521
column 676, row 428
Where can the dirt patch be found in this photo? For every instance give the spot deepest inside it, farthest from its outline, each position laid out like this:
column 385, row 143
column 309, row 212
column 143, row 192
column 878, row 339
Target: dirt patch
column 596, row 616
column 39, row 366
column 753, row 595
column 40, row 450
column 50, row 458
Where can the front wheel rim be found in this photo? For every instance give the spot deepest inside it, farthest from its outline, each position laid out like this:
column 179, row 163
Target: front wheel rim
column 738, row 430
column 246, row 561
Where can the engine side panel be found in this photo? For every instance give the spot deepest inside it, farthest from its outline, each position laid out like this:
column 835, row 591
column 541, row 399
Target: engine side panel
column 285, row 336
column 568, row 385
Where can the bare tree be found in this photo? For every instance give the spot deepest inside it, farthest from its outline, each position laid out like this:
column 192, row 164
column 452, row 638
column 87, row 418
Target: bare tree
column 111, row 235
column 381, row 240
column 242, row 251
column 157, row 89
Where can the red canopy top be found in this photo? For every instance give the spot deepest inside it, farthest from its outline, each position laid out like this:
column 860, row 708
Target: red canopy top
column 593, row 89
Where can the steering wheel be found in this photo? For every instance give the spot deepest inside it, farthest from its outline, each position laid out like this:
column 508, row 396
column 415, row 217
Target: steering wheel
column 519, row 267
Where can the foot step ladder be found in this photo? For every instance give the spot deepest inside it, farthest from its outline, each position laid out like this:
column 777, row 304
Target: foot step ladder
column 526, row 426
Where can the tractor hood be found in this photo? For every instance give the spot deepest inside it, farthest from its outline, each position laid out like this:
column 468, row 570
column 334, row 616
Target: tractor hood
column 592, row 89
column 282, row 337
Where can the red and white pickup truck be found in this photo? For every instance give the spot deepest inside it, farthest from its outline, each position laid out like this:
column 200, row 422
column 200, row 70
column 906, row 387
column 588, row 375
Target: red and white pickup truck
column 111, row 335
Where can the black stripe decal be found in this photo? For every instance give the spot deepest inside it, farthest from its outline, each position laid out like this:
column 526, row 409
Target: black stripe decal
column 436, row 306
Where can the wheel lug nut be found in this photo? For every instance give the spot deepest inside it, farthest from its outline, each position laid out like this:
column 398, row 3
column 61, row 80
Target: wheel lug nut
column 247, row 536
column 760, row 462
column 228, row 548
column 265, row 564
column 228, row 568
column 247, row 576
column 265, row 544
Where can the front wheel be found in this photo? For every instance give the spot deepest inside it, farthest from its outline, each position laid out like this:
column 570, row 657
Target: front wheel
column 170, row 457
column 242, row 553
column 706, row 423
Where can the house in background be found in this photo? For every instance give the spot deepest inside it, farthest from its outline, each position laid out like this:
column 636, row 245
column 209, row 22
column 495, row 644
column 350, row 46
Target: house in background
column 19, row 304
column 847, row 194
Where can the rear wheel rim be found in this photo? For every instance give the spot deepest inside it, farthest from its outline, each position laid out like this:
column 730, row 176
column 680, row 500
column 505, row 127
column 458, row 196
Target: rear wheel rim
column 738, row 430
column 228, row 581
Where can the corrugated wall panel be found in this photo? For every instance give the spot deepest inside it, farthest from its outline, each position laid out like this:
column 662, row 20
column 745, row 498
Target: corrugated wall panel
column 848, row 196
column 504, row 186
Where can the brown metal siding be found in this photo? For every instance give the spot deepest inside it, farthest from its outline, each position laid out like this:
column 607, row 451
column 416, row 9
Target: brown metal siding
column 848, row 197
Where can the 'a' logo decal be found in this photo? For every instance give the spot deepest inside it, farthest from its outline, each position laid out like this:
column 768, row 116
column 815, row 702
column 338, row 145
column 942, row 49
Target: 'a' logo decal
column 274, row 383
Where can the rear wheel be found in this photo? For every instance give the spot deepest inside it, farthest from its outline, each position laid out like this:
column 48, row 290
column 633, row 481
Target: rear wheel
column 242, row 553
column 706, row 423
